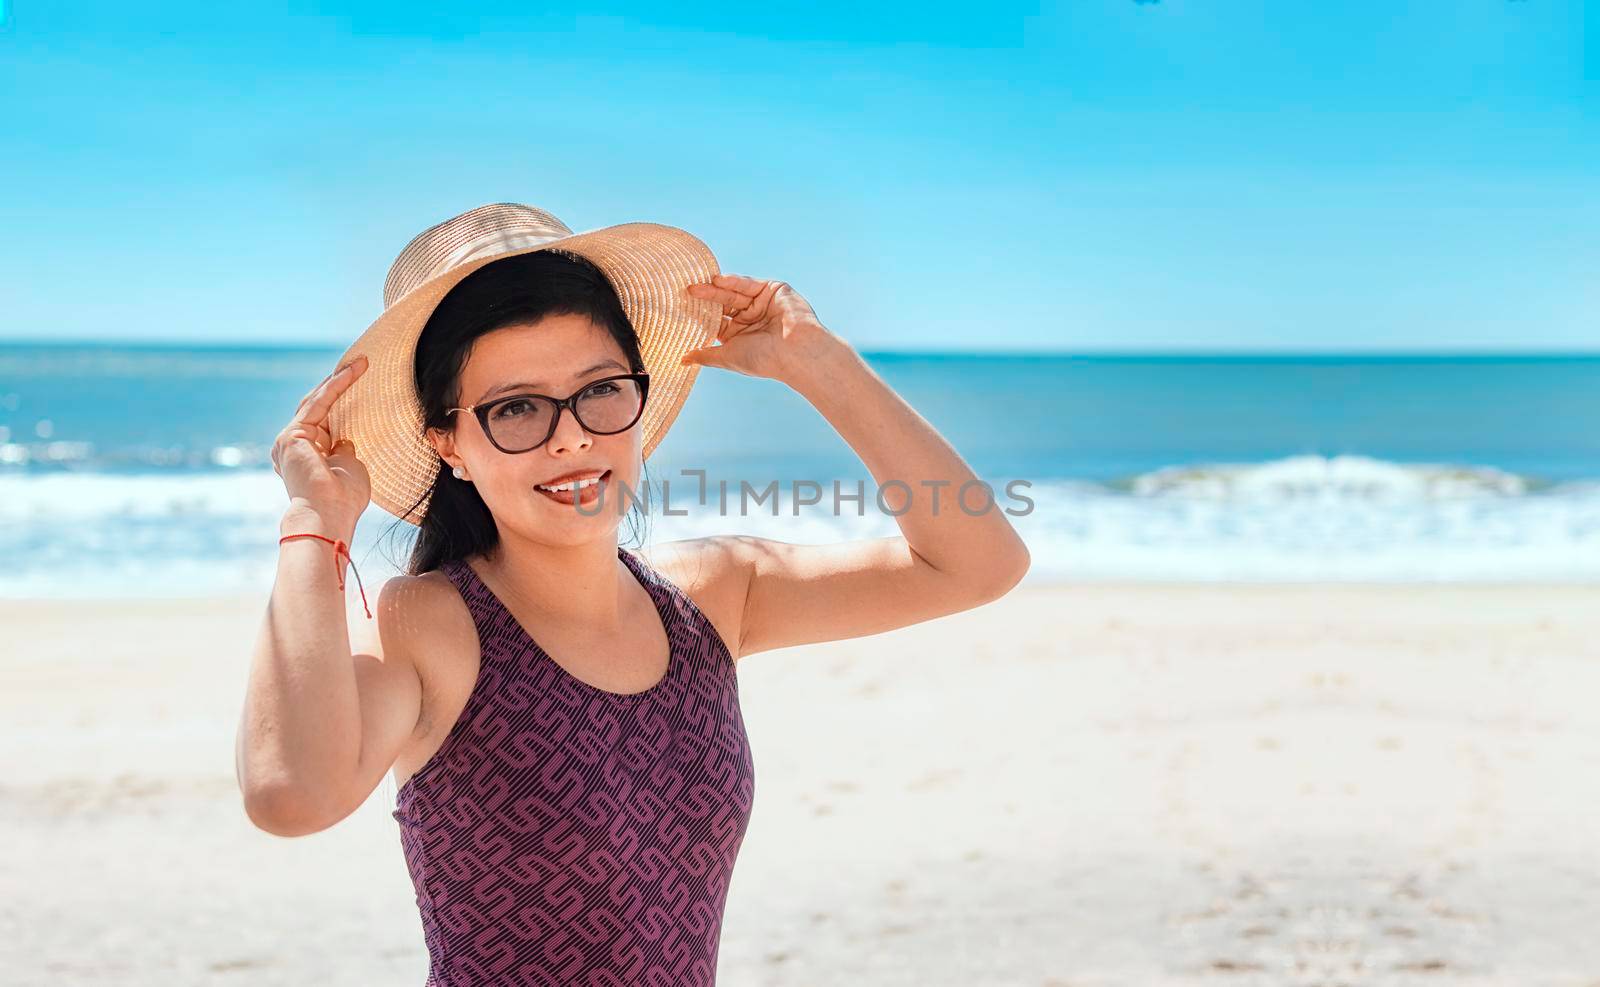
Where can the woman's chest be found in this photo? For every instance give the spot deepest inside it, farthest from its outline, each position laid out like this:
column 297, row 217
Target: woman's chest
column 531, row 727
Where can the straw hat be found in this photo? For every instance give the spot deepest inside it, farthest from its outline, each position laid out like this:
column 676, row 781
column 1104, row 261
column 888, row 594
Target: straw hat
column 650, row 265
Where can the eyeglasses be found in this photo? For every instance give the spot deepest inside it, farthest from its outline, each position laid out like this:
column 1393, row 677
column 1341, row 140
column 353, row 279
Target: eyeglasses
column 524, row 422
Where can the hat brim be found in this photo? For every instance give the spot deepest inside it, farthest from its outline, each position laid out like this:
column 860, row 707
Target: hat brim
column 649, row 264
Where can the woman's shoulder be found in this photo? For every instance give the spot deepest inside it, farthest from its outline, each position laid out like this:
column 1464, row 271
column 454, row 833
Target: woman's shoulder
column 430, row 589
column 422, row 615
column 712, row 571
column 707, row 564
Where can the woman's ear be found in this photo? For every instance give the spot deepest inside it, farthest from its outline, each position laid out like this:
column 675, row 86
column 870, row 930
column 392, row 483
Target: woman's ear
column 444, row 443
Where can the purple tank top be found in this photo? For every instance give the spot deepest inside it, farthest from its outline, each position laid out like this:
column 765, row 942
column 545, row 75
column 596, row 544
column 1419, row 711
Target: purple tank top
column 564, row 834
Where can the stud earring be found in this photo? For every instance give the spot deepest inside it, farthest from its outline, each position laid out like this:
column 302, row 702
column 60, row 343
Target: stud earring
column 459, row 474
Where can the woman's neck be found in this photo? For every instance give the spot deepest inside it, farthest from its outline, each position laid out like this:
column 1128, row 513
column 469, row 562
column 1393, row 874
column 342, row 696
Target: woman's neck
column 569, row 585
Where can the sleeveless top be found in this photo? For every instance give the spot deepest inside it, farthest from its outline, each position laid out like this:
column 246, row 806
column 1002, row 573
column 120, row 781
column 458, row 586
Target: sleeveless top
column 565, row 834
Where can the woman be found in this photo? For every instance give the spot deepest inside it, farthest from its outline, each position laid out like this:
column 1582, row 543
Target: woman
column 560, row 714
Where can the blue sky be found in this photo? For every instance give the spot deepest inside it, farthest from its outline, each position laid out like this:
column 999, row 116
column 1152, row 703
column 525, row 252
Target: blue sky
column 1096, row 175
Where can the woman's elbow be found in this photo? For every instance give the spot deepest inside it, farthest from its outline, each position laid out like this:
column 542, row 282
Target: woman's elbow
column 284, row 810
column 1019, row 570
column 1006, row 574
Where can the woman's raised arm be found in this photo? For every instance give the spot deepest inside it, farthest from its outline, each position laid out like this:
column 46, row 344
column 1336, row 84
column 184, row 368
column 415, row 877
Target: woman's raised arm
column 956, row 550
column 317, row 719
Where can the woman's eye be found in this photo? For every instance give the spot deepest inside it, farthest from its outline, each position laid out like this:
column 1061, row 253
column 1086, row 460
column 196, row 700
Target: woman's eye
column 607, row 387
column 511, row 409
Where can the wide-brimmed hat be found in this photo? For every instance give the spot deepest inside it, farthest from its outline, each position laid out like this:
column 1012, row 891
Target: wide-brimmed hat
column 649, row 264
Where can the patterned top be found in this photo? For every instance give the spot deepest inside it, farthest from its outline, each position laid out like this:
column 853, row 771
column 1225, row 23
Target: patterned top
column 564, row 834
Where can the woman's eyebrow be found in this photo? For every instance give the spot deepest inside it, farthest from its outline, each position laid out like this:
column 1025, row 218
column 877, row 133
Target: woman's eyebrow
column 535, row 386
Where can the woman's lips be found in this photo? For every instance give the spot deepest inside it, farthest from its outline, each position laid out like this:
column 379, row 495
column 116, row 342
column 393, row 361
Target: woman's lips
column 588, row 494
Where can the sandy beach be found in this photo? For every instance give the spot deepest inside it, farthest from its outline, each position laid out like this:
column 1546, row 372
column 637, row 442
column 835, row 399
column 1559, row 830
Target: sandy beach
column 1076, row 786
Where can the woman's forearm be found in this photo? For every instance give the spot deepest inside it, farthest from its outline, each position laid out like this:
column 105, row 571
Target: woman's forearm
column 300, row 734
column 975, row 542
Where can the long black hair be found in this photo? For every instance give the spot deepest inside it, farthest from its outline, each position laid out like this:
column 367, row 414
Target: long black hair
column 524, row 288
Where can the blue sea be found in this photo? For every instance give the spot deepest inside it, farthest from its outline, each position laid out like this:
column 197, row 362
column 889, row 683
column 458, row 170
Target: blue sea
column 143, row 470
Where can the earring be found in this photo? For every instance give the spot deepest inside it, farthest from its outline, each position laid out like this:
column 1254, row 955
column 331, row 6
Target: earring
column 459, row 474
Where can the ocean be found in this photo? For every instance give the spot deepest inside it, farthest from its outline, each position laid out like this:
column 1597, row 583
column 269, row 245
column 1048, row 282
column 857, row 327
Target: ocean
column 144, row 470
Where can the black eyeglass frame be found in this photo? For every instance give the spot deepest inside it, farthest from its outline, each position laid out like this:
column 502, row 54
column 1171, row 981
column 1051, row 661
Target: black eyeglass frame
column 481, row 411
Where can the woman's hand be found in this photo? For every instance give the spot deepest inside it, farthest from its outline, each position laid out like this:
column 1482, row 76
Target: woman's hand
column 767, row 330
column 330, row 483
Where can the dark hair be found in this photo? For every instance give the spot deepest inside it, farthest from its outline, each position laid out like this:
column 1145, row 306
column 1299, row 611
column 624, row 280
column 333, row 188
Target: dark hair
column 524, row 288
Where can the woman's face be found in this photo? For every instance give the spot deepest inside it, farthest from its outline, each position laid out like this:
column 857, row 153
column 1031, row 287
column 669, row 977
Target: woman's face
column 556, row 356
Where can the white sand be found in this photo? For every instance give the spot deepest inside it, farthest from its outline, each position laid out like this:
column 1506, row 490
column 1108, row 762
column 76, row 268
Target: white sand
column 1078, row 785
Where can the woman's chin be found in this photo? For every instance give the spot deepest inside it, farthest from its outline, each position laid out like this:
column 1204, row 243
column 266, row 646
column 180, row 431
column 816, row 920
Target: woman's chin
column 597, row 512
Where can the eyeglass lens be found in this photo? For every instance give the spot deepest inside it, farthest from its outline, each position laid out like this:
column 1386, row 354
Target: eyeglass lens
column 604, row 407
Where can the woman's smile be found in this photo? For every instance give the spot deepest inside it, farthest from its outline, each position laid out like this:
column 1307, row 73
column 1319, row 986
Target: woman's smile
column 588, row 491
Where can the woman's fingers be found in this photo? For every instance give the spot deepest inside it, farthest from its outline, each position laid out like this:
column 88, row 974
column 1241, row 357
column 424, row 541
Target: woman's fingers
column 310, row 419
column 319, row 436
column 314, row 409
column 730, row 300
column 744, row 299
column 311, row 395
column 316, row 435
column 738, row 282
column 734, row 288
column 706, row 355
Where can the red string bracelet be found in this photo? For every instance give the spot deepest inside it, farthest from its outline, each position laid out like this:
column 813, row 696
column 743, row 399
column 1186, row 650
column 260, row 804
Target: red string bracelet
column 338, row 546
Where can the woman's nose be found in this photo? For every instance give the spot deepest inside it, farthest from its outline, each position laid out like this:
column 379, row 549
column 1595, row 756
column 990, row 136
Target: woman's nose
column 568, row 437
